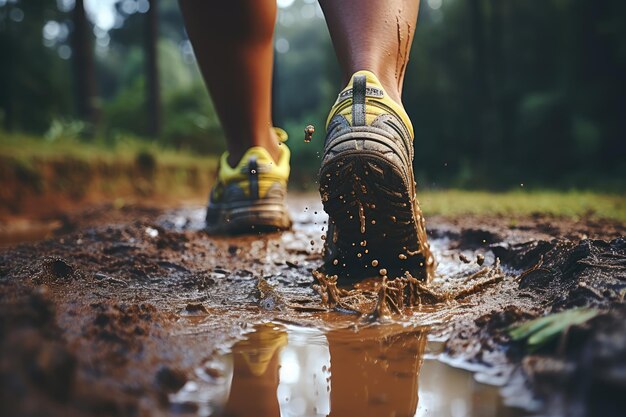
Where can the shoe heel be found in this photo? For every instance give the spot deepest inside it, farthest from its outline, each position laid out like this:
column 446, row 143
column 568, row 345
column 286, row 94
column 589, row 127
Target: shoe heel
column 371, row 200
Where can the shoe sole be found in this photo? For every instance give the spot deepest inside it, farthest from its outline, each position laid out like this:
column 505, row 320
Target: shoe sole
column 257, row 216
column 378, row 224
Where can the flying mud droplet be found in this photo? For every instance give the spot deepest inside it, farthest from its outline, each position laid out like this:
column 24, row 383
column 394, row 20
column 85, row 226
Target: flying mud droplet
column 359, row 255
column 335, row 262
column 480, row 259
column 364, row 243
column 464, row 258
column 402, row 256
column 308, row 133
column 374, row 263
column 382, row 272
column 362, row 217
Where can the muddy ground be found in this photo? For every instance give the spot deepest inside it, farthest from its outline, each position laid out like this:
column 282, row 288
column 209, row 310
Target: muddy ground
column 120, row 310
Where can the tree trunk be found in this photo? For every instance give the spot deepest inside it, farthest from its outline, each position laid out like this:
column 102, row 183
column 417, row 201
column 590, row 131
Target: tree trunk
column 499, row 99
column 84, row 67
column 481, row 93
column 153, row 99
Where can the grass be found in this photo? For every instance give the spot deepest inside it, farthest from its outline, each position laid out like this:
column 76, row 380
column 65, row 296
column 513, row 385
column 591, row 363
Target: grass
column 124, row 149
column 451, row 202
column 573, row 203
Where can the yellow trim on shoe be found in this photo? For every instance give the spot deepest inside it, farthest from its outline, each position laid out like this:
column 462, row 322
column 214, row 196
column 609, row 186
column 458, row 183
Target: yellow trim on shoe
column 377, row 102
column 278, row 171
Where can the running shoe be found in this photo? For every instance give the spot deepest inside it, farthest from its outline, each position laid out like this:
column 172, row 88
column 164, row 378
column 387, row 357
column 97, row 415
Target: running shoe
column 250, row 197
column 368, row 188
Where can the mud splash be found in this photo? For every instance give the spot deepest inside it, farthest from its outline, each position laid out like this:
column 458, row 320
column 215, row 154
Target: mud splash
column 381, row 299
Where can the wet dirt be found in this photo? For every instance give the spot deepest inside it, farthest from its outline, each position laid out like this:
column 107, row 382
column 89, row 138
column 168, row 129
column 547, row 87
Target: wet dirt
column 138, row 312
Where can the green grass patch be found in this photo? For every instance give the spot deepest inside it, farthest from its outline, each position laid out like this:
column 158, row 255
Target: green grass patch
column 518, row 203
column 122, row 149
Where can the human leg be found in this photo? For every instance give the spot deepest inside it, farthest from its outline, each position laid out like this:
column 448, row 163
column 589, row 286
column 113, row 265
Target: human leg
column 375, row 221
column 373, row 35
column 232, row 41
column 233, row 45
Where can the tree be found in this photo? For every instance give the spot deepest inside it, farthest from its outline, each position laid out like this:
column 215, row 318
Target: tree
column 153, row 99
column 84, row 68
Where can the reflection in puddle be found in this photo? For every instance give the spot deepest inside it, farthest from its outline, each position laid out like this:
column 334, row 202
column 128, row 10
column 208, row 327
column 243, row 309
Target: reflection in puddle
column 378, row 371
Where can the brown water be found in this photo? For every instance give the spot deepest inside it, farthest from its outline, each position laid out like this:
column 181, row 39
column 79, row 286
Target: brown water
column 22, row 230
column 380, row 370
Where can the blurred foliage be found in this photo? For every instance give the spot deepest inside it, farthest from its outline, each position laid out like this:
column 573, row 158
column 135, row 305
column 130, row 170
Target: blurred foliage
column 501, row 92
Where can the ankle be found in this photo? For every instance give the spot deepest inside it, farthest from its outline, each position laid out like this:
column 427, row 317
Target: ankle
column 388, row 80
column 269, row 141
column 390, row 85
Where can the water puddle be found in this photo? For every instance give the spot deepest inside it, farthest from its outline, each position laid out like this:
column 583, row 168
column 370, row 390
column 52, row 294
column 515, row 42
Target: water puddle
column 379, row 370
column 18, row 231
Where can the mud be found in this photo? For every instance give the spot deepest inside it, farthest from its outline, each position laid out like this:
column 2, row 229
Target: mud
column 138, row 312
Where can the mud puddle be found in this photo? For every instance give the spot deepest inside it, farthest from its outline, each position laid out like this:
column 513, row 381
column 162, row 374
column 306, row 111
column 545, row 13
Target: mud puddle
column 380, row 370
column 138, row 312
column 18, row 231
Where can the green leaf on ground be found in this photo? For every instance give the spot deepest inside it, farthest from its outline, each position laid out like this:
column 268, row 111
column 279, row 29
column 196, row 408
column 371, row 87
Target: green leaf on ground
column 542, row 330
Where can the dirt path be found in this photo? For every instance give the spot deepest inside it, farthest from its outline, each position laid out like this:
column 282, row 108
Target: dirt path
column 132, row 312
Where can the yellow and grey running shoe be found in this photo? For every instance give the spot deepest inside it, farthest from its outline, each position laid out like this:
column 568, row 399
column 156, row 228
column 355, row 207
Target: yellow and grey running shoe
column 251, row 196
column 368, row 188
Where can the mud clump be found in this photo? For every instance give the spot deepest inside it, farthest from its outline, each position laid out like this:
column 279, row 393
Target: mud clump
column 568, row 274
column 35, row 362
column 170, row 379
column 599, row 360
column 583, row 371
column 477, row 238
column 195, row 309
column 522, row 255
column 268, row 297
column 119, row 331
column 52, row 270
